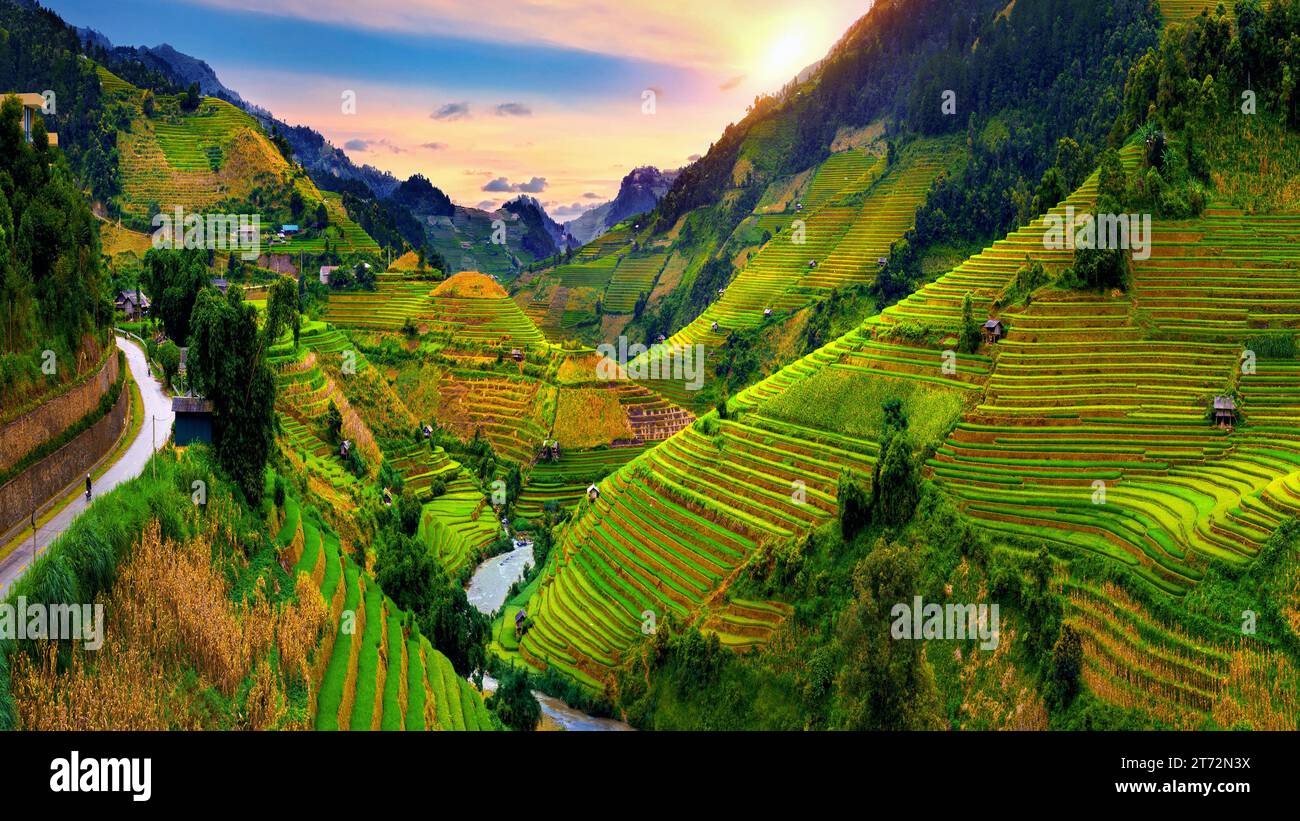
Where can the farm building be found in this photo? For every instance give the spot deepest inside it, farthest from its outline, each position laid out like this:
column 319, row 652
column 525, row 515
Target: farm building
column 221, row 285
column 325, row 271
column 133, row 304
column 288, row 228
column 193, row 420
column 1225, row 411
column 994, row 330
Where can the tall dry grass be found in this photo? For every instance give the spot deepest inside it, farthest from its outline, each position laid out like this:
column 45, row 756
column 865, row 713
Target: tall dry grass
column 172, row 632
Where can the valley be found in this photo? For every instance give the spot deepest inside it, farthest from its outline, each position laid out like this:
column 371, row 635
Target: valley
column 384, row 461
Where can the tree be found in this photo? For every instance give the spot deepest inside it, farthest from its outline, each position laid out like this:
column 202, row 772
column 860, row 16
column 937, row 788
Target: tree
column 191, row 98
column 514, row 703
column 971, row 335
column 884, row 683
column 897, row 487
column 855, row 506
column 169, row 357
column 227, row 364
column 409, row 574
column 1101, row 268
column 282, row 310
column 333, row 424
column 173, row 280
column 408, row 511
column 894, row 416
column 1067, row 665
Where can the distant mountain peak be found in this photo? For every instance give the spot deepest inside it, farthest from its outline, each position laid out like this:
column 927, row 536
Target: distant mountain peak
column 638, row 193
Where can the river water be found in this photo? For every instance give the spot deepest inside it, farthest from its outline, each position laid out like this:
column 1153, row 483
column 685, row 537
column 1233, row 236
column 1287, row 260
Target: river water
column 487, row 591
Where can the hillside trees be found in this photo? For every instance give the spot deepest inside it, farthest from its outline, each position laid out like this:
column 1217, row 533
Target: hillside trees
column 227, row 364
column 514, row 704
column 410, row 575
column 896, row 484
column 39, row 52
column 173, row 280
column 53, row 290
column 883, row 683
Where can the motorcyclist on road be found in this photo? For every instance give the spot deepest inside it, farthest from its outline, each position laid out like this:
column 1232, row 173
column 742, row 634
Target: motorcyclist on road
column 87, row 485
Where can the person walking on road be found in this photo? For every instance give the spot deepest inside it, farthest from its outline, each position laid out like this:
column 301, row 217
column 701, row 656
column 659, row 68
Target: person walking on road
column 87, row 486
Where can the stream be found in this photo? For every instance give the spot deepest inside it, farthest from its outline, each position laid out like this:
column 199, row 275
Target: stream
column 487, row 591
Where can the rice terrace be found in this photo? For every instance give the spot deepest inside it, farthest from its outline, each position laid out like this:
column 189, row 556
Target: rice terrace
column 919, row 365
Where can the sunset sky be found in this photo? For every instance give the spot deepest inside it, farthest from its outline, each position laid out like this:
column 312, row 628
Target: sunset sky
column 490, row 98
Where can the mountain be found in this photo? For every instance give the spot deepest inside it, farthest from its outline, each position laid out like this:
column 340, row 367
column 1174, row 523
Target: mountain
column 638, row 193
column 329, row 167
column 420, row 195
column 542, row 236
column 180, row 68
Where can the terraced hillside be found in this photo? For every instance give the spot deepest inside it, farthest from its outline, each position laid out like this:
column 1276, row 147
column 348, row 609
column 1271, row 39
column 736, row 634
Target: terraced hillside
column 197, row 159
column 397, row 298
column 854, row 208
column 772, row 278
column 985, row 274
column 471, row 310
column 383, row 674
column 343, row 234
column 504, row 410
column 1226, row 274
column 670, row 528
column 1095, row 434
column 633, row 277
column 1180, row 11
column 457, row 524
column 564, row 481
column 303, row 393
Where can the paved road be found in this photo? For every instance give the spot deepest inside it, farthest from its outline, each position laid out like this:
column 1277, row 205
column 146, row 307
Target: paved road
column 157, row 405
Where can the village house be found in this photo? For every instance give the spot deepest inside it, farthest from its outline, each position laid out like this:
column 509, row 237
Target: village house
column 134, row 304
column 1225, row 411
column 994, row 330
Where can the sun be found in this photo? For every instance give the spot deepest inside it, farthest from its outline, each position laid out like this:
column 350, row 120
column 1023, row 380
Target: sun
column 794, row 45
column 785, row 53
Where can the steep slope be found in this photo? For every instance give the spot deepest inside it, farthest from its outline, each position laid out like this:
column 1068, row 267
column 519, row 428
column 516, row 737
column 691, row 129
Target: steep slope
column 380, row 673
column 638, row 192
column 215, row 155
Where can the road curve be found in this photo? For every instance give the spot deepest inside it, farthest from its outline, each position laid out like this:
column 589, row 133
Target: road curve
column 151, row 437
